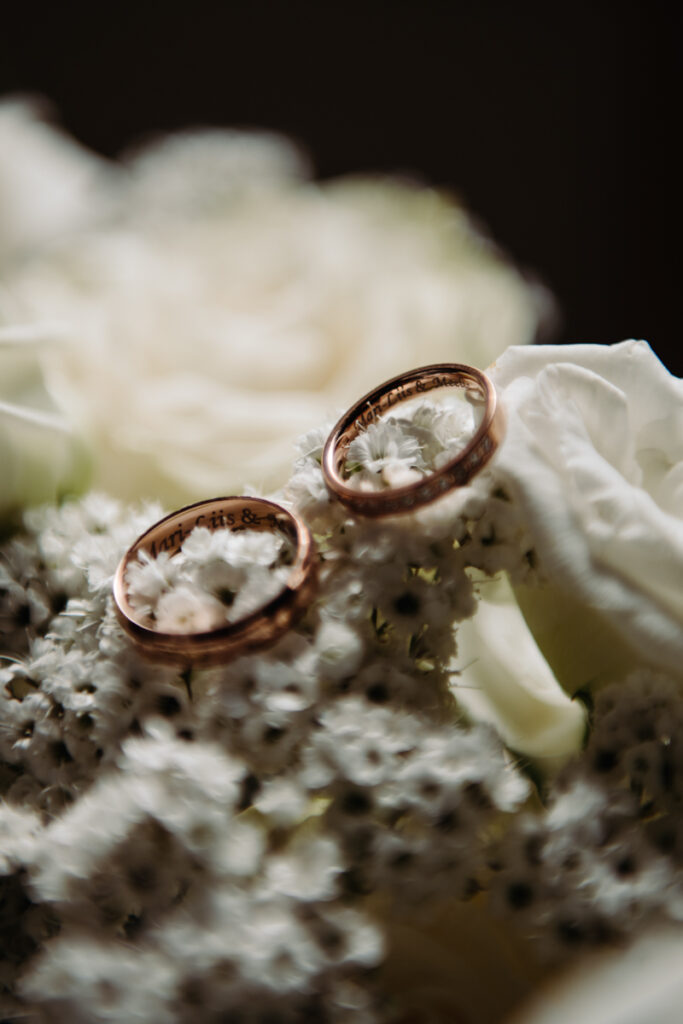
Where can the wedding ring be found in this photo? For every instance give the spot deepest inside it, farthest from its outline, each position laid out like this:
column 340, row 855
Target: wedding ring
column 455, row 473
column 260, row 628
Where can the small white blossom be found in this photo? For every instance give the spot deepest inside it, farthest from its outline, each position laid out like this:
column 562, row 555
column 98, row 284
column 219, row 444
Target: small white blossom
column 148, row 578
column 282, row 801
column 339, row 648
column 383, row 445
column 188, row 610
column 309, row 871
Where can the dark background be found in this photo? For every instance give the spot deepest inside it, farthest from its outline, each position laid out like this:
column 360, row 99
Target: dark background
column 555, row 123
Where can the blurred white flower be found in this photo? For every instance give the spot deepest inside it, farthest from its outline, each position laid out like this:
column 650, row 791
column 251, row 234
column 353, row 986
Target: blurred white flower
column 18, row 829
column 219, row 303
column 187, row 610
column 42, row 456
column 594, row 457
column 136, row 981
column 628, row 986
column 308, row 871
column 340, row 649
column 502, row 678
column 49, row 185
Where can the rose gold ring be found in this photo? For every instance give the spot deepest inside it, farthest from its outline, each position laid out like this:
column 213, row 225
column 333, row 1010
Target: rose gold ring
column 258, row 629
column 455, row 473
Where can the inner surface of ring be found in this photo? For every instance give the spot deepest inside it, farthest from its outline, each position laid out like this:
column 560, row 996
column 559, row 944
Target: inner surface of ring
column 209, row 591
column 170, row 534
column 384, row 401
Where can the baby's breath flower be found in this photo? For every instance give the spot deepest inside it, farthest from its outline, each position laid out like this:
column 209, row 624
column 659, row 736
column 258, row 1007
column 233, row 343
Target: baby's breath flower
column 148, row 578
column 382, row 446
column 217, row 576
column 412, row 801
column 188, row 610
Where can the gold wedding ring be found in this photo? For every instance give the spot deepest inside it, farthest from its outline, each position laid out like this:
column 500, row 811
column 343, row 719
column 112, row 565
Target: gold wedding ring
column 260, row 628
column 455, row 473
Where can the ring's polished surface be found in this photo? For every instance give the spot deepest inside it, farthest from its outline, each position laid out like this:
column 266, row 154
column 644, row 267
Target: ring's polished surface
column 455, row 473
column 260, row 628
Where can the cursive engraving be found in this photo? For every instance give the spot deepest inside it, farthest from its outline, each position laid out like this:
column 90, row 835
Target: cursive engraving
column 170, row 537
column 373, row 411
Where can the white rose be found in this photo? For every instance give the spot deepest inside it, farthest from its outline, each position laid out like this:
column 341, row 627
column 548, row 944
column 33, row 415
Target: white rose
column 228, row 305
column 641, row 983
column 502, row 678
column 48, row 184
column 42, row 458
column 594, row 457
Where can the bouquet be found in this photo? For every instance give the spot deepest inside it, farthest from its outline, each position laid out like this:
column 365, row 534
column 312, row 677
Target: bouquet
column 459, row 773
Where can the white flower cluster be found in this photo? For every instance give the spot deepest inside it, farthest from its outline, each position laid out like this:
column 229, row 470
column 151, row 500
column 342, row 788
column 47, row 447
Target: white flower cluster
column 171, row 906
column 267, row 800
column 607, row 855
column 412, row 803
column 216, row 577
column 242, row 840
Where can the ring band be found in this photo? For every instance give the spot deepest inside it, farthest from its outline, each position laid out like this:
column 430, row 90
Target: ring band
column 455, row 473
column 258, row 629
